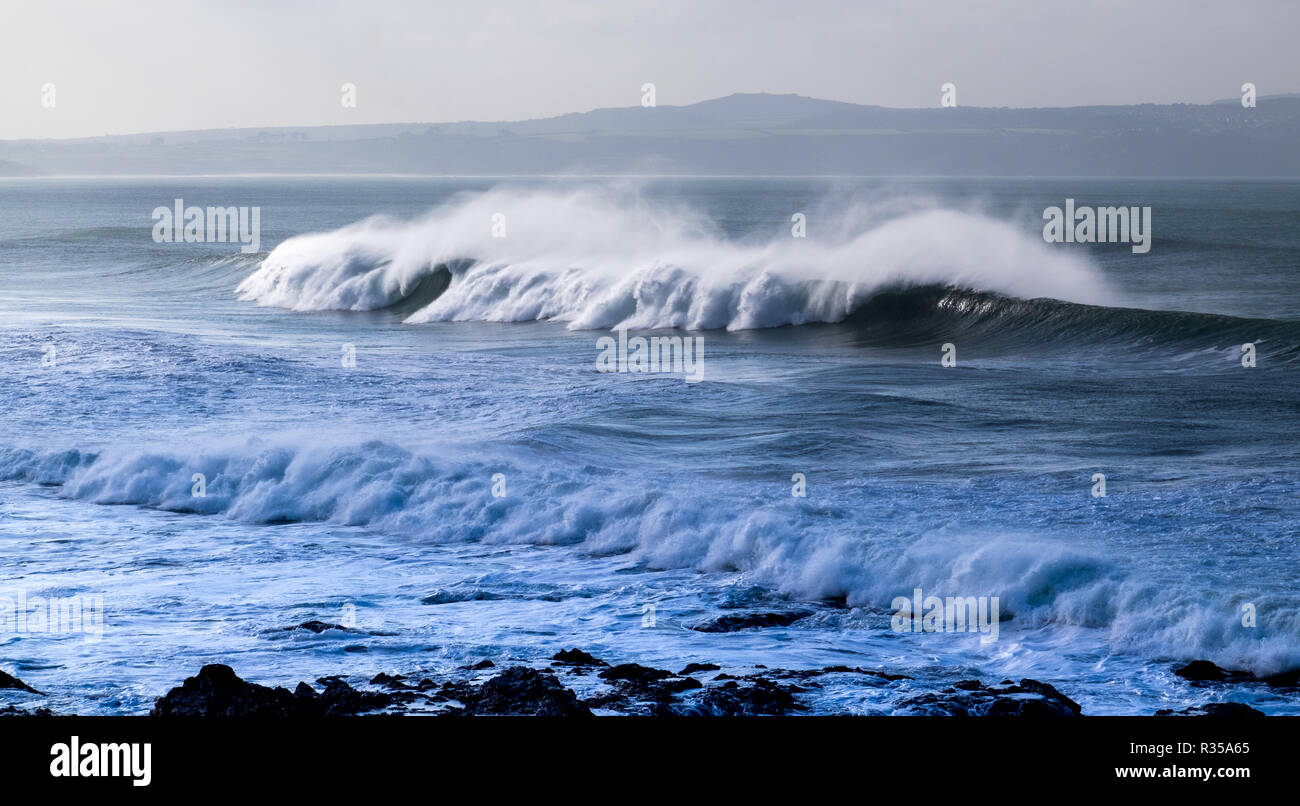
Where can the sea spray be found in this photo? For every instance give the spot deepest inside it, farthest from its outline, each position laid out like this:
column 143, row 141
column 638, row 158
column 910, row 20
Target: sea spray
column 600, row 258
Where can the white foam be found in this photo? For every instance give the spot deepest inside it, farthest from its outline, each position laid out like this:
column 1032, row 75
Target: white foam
column 790, row 545
column 600, row 257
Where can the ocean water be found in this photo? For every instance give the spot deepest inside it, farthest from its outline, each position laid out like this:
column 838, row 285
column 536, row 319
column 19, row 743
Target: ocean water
column 473, row 488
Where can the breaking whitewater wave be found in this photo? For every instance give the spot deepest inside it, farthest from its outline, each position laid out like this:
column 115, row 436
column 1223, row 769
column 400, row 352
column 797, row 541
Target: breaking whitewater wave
column 601, row 258
column 804, row 550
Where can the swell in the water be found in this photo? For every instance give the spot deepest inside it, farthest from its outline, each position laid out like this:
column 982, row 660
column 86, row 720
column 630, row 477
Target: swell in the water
column 928, row 314
column 601, row 257
column 803, row 549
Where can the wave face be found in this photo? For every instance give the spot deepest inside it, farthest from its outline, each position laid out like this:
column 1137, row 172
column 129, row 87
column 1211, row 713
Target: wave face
column 925, row 315
column 798, row 548
column 603, row 257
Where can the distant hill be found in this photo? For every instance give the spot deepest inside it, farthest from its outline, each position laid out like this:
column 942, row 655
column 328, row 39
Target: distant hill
column 742, row 134
column 1260, row 98
column 17, row 169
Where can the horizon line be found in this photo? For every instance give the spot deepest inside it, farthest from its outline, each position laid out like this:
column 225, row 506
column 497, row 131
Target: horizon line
column 143, row 133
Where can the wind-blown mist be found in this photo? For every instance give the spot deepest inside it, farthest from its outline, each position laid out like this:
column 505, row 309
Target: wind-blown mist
column 596, row 258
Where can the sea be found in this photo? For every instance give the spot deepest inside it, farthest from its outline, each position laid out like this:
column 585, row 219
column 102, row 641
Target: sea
column 390, row 414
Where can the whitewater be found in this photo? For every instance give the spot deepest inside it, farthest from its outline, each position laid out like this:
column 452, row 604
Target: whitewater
column 604, row 258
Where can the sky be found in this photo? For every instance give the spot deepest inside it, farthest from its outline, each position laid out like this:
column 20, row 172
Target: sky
column 149, row 65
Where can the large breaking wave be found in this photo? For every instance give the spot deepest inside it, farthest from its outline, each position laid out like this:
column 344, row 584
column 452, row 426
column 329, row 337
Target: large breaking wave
column 601, row 257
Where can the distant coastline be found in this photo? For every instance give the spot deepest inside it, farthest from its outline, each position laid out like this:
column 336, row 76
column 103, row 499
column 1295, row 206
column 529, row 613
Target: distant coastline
column 739, row 135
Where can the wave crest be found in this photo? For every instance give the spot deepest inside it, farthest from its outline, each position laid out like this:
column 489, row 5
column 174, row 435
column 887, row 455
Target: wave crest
column 601, row 257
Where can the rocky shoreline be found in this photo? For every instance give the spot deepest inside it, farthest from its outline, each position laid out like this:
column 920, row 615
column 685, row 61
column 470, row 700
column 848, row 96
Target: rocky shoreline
column 698, row 689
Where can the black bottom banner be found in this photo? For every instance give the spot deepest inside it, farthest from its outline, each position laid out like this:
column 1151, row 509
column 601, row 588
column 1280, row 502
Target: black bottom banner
column 533, row 755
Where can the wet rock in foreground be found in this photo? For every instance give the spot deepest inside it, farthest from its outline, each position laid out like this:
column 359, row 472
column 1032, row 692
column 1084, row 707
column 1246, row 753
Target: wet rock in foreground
column 9, row 681
column 10, row 710
column 520, row 690
column 217, row 691
column 576, row 657
column 883, row 677
column 1204, row 671
column 626, row 688
column 972, row 698
column 1234, row 710
column 635, row 673
column 762, row 698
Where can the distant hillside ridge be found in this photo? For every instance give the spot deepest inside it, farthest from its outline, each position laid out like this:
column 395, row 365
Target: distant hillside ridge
column 745, row 134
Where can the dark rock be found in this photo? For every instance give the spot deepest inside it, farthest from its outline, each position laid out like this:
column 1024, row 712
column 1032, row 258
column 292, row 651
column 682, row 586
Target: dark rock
column 389, row 680
column 1030, row 698
column 743, row 621
column 634, row 673
column 1050, row 693
column 480, row 666
column 9, row 681
column 576, row 657
column 677, row 685
column 340, row 699
column 692, row 668
column 609, row 699
column 1235, row 710
column 807, row 673
column 1202, row 671
column 217, row 691
column 644, row 686
column 938, row 704
column 453, row 690
column 314, row 626
column 522, row 691
column 1030, row 707
column 763, row 698
column 1289, row 679
column 12, row 711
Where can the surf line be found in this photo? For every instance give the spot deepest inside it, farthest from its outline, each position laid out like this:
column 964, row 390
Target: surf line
column 677, row 354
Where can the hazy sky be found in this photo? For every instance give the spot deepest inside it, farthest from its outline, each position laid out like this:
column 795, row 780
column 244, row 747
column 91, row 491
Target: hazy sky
column 159, row 65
